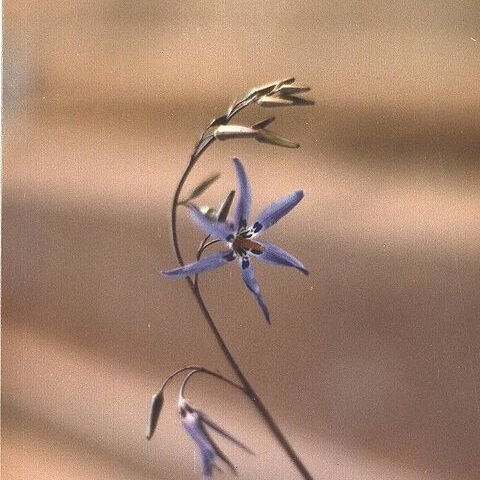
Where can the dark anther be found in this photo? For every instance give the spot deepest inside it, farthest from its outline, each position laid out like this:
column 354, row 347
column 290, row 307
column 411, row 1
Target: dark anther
column 182, row 412
column 245, row 263
column 257, row 227
column 230, row 238
column 188, row 408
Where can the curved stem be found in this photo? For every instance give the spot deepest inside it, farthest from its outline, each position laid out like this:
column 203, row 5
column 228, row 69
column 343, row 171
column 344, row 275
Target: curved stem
column 204, row 245
column 261, row 408
column 208, row 372
column 175, row 373
column 199, row 254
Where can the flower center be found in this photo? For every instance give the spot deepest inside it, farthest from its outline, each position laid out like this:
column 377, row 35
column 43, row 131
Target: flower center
column 242, row 245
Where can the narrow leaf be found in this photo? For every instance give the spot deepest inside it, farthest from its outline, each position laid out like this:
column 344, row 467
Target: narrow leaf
column 263, row 123
column 201, row 187
column 224, row 208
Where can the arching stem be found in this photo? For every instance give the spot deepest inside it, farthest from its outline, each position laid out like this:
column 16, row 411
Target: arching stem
column 249, row 390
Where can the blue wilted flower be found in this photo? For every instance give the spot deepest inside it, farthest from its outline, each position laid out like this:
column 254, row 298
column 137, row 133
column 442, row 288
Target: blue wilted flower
column 195, row 422
column 241, row 239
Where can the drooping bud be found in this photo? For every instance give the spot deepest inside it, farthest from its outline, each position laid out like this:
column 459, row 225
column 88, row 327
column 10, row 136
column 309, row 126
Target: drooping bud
column 155, row 409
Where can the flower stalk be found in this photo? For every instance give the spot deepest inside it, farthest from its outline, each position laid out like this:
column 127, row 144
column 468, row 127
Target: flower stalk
column 219, row 129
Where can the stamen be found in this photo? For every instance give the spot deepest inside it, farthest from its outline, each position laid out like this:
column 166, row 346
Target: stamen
column 246, row 245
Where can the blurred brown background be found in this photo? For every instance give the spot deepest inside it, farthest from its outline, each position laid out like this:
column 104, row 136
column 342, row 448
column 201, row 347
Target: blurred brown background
column 372, row 364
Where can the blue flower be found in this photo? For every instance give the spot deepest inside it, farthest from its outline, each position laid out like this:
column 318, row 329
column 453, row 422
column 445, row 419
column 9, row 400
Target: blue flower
column 194, row 422
column 241, row 239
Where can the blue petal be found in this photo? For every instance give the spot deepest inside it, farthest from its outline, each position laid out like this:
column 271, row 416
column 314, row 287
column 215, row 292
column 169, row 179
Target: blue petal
column 273, row 213
column 207, row 452
column 273, row 254
column 223, row 432
column 220, row 230
column 207, row 456
column 215, row 260
column 218, row 452
column 252, row 284
column 245, row 198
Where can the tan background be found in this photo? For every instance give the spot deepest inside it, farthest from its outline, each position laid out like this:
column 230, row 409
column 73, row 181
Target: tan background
column 371, row 366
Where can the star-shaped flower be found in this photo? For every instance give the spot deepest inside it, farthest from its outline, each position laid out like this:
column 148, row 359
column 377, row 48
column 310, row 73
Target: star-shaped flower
column 195, row 422
column 241, row 239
